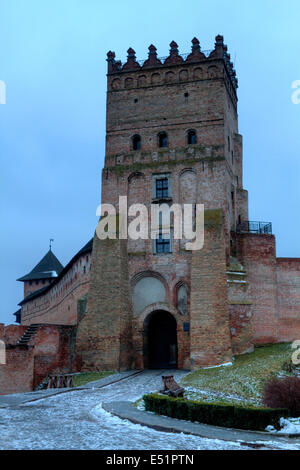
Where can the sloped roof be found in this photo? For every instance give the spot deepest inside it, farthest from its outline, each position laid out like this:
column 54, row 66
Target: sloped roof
column 47, row 268
column 86, row 249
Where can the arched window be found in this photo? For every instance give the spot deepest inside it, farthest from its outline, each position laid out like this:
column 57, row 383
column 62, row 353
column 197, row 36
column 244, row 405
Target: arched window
column 163, row 139
column 136, row 142
column 191, row 137
column 182, row 298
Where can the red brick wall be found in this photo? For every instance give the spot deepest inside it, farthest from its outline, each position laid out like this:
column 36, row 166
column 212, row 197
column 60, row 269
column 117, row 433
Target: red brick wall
column 241, row 328
column 104, row 338
column 17, row 374
column 210, row 329
column 32, row 286
column 53, row 351
column 258, row 255
column 59, row 304
column 12, row 333
column 288, row 282
column 50, row 350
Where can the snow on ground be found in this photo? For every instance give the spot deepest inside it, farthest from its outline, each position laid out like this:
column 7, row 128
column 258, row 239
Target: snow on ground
column 288, row 426
column 211, row 395
column 76, row 420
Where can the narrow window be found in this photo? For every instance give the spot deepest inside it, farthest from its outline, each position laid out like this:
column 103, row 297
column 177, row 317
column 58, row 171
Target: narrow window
column 191, row 137
column 228, row 141
column 162, row 188
column 163, row 244
column 162, row 139
column 136, row 142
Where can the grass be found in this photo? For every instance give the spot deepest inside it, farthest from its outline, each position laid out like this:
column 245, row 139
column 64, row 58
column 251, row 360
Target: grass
column 243, row 382
column 86, row 377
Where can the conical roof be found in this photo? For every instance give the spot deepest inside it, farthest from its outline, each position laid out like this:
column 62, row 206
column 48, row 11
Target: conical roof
column 47, row 268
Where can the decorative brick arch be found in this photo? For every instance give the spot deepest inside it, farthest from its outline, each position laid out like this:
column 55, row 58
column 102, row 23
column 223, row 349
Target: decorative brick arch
column 150, row 274
column 181, row 283
column 187, row 169
column 140, row 334
column 135, row 174
column 158, row 306
column 138, row 276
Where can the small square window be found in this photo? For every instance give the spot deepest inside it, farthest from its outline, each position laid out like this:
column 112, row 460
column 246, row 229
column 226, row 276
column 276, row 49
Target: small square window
column 163, row 245
column 162, row 188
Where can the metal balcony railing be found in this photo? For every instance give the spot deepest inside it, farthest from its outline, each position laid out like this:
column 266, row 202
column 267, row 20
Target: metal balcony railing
column 254, row 227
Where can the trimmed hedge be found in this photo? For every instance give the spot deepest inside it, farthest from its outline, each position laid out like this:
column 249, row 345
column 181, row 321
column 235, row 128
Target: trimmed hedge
column 217, row 414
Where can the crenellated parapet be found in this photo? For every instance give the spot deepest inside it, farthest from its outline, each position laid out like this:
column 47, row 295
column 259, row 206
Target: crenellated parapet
column 196, row 56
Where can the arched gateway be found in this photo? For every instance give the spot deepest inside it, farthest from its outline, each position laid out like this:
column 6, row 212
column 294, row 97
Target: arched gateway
column 160, row 341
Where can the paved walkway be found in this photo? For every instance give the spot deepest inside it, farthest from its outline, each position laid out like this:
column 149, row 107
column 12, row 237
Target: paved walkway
column 16, row 399
column 76, row 419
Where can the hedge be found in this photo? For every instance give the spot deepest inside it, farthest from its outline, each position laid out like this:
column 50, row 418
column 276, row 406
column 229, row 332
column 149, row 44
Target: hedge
column 217, row 414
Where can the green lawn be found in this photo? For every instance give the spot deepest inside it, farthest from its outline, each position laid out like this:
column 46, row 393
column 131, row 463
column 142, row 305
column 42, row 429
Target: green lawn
column 242, row 382
column 86, row 377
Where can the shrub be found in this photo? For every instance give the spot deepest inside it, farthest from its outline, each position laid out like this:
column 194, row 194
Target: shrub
column 217, row 414
column 283, row 393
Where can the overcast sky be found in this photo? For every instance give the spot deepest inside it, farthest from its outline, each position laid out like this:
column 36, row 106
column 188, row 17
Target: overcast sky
column 52, row 127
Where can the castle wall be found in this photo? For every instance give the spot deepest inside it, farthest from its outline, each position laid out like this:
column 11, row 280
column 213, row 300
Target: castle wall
column 54, row 349
column 288, row 298
column 59, row 304
column 17, row 374
column 258, row 255
column 50, row 350
column 275, row 289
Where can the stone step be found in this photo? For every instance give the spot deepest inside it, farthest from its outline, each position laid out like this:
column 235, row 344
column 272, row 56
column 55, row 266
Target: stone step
column 29, row 333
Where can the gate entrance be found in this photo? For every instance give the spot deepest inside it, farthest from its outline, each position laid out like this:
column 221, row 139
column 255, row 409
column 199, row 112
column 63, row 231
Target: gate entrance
column 162, row 341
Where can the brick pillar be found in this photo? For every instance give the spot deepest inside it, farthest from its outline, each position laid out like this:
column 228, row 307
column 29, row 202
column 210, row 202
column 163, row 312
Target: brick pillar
column 104, row 338
column 210, row 333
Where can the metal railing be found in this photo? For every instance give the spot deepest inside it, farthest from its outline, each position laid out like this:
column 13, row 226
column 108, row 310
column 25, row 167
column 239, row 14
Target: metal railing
column 254, row 227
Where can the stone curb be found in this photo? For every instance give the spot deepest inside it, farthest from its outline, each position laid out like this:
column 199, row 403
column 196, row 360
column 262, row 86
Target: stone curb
column 126, row 410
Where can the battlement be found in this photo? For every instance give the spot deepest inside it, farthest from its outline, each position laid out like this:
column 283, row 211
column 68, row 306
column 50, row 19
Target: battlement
column 115, row 67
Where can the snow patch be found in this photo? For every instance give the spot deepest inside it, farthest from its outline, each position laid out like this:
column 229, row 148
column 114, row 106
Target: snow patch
column 227, row 364
column 288, row 426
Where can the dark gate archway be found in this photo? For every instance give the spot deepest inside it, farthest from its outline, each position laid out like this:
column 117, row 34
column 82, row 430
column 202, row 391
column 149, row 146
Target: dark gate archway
column 161, row 341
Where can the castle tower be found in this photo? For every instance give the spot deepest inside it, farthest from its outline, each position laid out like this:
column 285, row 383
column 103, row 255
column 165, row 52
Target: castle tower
column 42, row 274
column 172, row 137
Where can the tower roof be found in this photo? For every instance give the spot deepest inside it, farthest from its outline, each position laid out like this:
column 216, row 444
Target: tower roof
column 47, row 268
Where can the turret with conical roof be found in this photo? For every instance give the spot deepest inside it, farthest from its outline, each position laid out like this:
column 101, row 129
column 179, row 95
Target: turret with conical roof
column 48, row 268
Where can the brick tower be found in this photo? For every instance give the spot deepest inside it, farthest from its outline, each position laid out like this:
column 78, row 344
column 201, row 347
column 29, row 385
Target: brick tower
column 171, row 136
